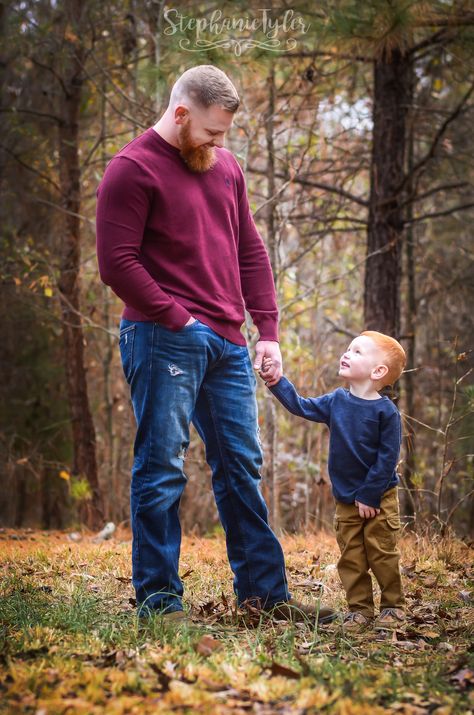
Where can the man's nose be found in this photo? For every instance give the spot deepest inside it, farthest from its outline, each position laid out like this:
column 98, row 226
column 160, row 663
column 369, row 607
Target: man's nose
column 219, row 141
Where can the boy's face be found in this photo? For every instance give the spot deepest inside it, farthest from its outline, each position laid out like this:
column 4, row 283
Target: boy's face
column 363, row 360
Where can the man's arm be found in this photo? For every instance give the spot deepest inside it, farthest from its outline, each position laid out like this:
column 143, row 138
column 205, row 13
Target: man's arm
column 380, row 474
column 122, row 209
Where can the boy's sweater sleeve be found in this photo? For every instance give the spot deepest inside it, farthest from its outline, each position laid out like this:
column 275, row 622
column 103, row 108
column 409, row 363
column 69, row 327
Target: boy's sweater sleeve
column 317, row 409
column 380, row 474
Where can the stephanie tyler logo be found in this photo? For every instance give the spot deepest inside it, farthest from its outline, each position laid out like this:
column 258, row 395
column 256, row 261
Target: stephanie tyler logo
column 236, row 33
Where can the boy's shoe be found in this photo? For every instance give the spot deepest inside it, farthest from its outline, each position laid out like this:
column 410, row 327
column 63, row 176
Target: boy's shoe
column 298, row 612
column 390, row 618
column 356, row 621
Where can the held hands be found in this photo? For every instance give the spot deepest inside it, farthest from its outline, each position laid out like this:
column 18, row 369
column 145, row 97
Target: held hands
column 367, row 512
column 268, row 361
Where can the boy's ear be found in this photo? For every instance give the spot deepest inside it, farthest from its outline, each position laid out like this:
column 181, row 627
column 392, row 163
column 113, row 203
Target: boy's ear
column 379, row 372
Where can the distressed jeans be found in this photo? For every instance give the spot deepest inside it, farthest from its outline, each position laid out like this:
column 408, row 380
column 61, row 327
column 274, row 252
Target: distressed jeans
column 175, row 378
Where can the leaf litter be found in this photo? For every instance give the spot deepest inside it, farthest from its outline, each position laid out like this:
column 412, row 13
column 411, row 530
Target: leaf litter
column 71, row 642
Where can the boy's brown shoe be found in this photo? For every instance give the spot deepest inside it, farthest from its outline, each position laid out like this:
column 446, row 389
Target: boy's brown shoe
column 356, row 621
column 298, row 612
column 390, row 618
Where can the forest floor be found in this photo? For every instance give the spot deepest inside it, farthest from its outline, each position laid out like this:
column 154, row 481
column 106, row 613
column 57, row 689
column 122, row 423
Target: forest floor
column 70, row 641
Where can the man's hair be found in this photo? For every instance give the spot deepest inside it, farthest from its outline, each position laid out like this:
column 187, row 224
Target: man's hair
column 394, row 356
column 206, row 85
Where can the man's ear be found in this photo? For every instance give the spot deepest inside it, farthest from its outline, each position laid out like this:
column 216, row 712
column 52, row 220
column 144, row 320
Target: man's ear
column 181, row 114
column 379, row 372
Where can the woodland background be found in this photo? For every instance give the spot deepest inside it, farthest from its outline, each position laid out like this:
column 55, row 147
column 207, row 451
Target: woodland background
column 357, row 146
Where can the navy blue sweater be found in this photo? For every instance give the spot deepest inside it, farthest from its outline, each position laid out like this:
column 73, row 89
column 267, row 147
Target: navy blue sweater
column 364, row 443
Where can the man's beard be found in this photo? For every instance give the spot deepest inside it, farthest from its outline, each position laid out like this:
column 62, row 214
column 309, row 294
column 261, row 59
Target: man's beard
column 198, row 158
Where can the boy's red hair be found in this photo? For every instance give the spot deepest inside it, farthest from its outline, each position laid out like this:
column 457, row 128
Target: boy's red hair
column 394, row 355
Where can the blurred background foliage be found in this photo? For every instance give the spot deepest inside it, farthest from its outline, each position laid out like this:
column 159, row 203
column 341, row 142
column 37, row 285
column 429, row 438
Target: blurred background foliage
column 355, row 136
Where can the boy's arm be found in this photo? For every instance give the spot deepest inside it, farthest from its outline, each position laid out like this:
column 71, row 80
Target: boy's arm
column 380, row 474
column 317, row 409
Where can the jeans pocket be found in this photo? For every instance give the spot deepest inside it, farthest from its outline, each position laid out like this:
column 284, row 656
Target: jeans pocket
column 126, row 342
column 191, row 325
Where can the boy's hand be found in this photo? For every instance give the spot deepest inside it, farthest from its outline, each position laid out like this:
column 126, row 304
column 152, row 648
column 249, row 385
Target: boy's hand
column 268, row 361
column 367, row 512
column 264, row 371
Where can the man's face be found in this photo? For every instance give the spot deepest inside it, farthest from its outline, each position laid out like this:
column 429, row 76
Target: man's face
column 199, row 131
column 360, row 359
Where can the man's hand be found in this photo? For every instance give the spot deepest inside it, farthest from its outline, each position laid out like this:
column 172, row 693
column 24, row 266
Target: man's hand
column 268, row 351
column 190, row 321
column 367, row 512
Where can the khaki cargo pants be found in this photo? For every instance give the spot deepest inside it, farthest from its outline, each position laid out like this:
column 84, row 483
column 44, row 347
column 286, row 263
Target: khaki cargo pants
column 370, row 544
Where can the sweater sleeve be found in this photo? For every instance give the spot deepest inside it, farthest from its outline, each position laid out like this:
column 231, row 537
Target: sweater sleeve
column 256, row 276
column 316, row 409
column 381, row 472
column 123, row 205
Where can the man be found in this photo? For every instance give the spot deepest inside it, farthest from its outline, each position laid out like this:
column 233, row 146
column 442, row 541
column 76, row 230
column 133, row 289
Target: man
column 177, row 243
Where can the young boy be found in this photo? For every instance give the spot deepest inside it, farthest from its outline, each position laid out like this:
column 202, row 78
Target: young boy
column 364, row 447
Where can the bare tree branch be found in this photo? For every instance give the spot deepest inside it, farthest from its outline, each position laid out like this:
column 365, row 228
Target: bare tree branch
column 447, row 212
column 315, row 185
column 22, row 163
column 438, row 136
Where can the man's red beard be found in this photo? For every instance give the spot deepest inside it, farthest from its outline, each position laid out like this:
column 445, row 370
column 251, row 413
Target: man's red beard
column 198, row 158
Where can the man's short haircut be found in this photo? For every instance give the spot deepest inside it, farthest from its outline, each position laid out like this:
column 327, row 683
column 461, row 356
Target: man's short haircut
column 394, row 355
column 206, row 85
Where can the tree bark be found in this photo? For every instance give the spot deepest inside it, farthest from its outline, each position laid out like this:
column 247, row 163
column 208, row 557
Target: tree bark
column 409, row 468
column 270, row 412
column 84, row 460
column 385, row 229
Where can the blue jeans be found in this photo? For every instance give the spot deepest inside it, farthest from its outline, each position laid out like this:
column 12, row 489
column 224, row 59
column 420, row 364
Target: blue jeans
column 175, row 378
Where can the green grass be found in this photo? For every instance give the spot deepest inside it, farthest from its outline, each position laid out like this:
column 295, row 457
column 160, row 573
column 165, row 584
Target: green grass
column 70, row 640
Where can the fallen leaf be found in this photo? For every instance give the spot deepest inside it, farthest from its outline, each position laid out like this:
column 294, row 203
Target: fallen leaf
column 207, row 645
column 163, row 678
column 277, row 669
column 310, row 583
column 463, row 677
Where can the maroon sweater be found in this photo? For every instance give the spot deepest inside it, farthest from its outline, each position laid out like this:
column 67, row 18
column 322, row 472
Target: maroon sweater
column 172, row 243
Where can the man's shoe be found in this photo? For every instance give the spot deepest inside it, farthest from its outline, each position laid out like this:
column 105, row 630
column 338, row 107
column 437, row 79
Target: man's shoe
column 298, row 612
column 390, row 619
column 175, row 619
column 174, row 616
column 356, row 621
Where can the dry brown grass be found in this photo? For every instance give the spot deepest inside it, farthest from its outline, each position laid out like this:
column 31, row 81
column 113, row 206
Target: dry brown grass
column 71, row 642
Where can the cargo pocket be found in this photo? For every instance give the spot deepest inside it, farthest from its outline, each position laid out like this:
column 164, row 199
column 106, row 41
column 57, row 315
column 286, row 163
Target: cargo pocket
column 390, row 531
column 337, row 528
column 126, row 342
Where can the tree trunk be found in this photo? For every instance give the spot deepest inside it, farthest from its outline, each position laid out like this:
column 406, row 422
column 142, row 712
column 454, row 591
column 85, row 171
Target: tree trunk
column 385, row 230
column 270, row 416
column 410, row 505
column 84, row 462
